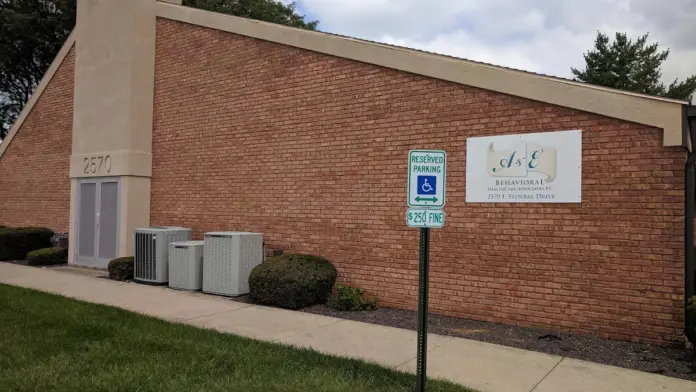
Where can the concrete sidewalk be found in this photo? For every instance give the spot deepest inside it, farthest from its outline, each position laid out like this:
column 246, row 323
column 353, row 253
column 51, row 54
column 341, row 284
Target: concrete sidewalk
column 483, row 366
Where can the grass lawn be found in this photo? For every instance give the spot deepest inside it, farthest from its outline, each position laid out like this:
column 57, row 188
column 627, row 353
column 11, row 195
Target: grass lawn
column 52, row 343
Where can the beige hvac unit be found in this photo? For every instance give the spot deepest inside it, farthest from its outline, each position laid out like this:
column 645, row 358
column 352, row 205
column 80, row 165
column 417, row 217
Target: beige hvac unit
column 186, row 265
column 152, row 252
column 229, row 258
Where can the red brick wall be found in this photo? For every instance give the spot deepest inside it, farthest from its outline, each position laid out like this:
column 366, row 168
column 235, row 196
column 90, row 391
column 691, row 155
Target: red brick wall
column 34, row 170
column 311, row 150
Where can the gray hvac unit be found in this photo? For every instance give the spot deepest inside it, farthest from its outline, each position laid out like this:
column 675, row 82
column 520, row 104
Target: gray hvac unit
column 229, row 258
column 186, row 265
column 152, row 252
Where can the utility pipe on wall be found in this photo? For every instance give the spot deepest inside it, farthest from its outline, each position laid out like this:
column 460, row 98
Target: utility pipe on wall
column 689, row 201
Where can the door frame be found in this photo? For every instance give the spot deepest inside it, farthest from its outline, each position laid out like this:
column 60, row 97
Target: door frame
column 95, row 261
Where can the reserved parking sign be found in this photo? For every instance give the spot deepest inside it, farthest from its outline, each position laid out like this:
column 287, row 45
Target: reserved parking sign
column 426, row 178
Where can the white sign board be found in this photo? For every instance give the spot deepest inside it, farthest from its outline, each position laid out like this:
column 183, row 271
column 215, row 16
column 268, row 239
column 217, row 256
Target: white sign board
column 426, row 178
column 527, row 168
column 418, row 217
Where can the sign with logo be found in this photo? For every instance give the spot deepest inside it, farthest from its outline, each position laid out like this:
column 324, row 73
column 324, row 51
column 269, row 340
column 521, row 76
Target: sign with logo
column 527, row 168
column 426, row 178
column 417, row 217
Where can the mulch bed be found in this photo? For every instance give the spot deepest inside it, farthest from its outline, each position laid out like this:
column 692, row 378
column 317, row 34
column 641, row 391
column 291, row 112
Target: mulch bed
column 669, row 361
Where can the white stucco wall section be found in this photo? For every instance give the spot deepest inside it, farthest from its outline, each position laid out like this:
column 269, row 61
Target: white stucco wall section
column 113, row 108
column 114, row 86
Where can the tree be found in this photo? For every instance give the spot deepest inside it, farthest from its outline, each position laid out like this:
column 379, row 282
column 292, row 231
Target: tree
column 32, row 32
column 632, row 66
column 267, row 10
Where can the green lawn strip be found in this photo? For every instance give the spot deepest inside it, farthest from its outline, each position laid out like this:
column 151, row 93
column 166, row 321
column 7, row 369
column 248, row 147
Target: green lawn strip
column 52, row 343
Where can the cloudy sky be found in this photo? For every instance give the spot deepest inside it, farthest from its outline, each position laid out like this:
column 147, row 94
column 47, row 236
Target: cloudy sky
column 547, row 36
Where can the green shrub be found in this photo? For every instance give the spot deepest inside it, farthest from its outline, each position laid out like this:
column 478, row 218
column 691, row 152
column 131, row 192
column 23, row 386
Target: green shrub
column 48, row 256
column 351, row 298
column 691, row 318
column 15, row 243
column 691, row 303
column 292, row 281
column 121, row 268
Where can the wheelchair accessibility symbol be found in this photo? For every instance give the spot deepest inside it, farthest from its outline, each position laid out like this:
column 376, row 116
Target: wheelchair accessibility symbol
column 427, row 185
column 427, row 179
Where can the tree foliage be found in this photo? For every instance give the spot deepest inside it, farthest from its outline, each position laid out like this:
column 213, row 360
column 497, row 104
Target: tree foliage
column 632, row 65
column 267, row 10
column 31, row 34
column 33, row 31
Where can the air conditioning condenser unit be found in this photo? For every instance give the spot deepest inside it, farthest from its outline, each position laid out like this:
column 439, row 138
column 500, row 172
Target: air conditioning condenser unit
column 152, row 252
column 228, row 258
column 186, row 265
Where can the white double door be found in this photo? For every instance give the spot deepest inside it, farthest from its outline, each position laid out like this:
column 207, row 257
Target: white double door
column 97, row 221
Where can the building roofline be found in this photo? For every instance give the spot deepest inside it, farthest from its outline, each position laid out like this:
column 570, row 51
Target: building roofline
column 658, row 112
column 26, row 110
column 503, row 68
column 166, row 14
column 662, row 113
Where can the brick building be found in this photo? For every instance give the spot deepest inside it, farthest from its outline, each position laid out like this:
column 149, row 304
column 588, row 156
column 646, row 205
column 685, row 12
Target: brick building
column 176, row 116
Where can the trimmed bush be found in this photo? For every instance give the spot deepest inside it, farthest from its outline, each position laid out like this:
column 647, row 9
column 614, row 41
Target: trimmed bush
column 351, row 299
column 292, row 281
column 121, row 268
column 48, row 256
column 691, row 319
column 15, row 243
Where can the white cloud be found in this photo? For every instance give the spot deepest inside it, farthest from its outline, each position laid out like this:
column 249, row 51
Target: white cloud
column 547, row 36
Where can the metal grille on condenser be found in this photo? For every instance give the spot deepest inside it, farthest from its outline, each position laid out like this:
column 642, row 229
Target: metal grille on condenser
column 185, row 265
column 145, row 256
column 250, row 248
column 178, row 268
column 152, row 252
column 229, row 258
column 217, row 274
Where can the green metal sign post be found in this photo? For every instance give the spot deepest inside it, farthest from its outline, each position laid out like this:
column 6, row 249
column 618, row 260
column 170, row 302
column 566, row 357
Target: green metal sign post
column 423, row 273
column 426, row 192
